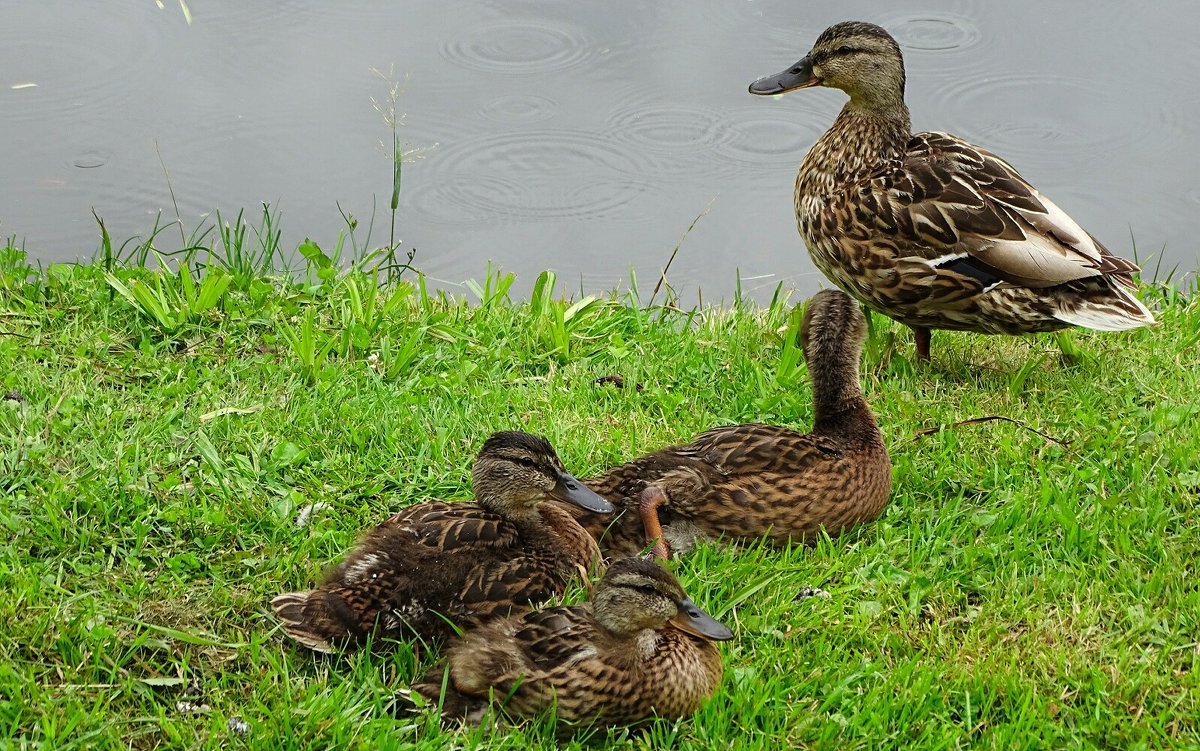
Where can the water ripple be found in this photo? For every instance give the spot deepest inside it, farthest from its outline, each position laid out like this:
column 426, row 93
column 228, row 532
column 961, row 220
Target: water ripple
column 520, row 46
column 547, row 175
column 91, row 158
column 775, row 141
column 932, row 33
column 475, row 201
column 676, row 139
column 518, row 108
column 74, row 77
column 536, row 153
column 1039, row 118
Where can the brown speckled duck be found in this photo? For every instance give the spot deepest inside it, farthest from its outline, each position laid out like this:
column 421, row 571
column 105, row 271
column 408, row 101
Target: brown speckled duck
column 639, row 649
column 438, row 563
column 931, row 230
column 747, row 481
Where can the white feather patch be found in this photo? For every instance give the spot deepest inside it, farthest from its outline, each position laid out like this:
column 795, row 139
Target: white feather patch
column 948, row 258
column 647, row 643
column 1103, row 317
column 362, row 569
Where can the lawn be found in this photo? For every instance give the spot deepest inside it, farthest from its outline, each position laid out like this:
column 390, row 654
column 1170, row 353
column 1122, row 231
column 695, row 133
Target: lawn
column 1031, row 584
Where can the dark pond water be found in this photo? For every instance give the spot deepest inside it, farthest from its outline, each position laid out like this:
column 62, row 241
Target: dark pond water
column 583, row 137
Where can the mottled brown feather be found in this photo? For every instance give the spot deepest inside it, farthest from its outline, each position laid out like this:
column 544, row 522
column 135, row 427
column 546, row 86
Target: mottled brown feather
column 744, row 482
column 436, row 566
column 936, row 232
column 613, row 661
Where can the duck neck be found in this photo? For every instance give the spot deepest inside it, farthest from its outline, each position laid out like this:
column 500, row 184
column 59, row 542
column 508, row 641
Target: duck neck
column 865, row 135
column 838, row 404
column 554, row 527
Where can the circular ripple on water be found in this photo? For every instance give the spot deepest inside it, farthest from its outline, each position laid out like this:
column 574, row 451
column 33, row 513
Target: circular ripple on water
column 73, row 79
column 287, row 18
column 1042, row 119
column 676, row 139
column 520, row 46
column 932, row 33
column 535, row 154
column 519, row 108
column 777, row 141
column 454, row 200
column 91, row 158
column 547, row 174
column 474, row 201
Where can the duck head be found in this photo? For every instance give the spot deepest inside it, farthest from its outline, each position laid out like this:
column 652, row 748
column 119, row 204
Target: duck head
column 516, row 471
column 859, row 58
column 638, row 594
column 833, row 331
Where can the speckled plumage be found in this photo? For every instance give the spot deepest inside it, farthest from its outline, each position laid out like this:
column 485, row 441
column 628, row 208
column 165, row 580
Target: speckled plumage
column 747, row 481
column 618, row 660
column 929, row 229
column 436, row 564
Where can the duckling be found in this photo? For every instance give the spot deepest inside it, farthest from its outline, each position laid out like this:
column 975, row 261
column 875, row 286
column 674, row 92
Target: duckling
column 929, row 229
column 747, row 481
column 436, row 566
column 640, row 649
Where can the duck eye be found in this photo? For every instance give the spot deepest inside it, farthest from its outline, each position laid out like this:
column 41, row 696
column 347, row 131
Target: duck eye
column 525, row 461
column 844, row 50
column 648, row 589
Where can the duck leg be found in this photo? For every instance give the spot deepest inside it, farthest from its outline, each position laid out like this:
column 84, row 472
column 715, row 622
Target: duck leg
column 648, row 502
column 921, row 335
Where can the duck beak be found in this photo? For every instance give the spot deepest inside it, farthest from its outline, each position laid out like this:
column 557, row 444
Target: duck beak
column 799, row 76
column 570, row 490
column 692, row 620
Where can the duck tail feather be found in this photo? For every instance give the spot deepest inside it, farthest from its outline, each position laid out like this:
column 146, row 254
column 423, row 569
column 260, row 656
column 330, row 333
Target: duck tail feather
column 305, row 618
column 1118, row 310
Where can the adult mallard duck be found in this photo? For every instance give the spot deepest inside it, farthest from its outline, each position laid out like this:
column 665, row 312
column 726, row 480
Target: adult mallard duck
column 639, row 649
column 747, row 481
column 436, row 564
column 929, row 229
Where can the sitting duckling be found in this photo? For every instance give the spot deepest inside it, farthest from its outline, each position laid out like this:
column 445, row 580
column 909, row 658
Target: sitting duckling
column 639, row 649
column 747, row 481
column 436, row 564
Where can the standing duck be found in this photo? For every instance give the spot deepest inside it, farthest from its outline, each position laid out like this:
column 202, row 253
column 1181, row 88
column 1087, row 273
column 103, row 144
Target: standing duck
column 929, row 229
column 436, row 565
column 640, row 649
column 747, row 481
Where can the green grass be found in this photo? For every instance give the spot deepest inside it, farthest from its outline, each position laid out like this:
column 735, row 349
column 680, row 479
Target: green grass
column 1018, row 592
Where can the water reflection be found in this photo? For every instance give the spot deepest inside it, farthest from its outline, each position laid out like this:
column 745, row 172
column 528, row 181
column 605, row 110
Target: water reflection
column 576, row 137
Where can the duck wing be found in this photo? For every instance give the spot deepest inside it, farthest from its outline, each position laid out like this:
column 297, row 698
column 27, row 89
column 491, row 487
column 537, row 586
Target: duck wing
column 450, row 527
column 958, row 209
column 495, row 587
column 516, row 660
column 754, row 448
column 558, row 637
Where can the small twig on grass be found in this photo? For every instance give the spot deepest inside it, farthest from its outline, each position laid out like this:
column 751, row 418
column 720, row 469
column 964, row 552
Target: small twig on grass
column 50, row 416
column 988, row 418
column 662, row 278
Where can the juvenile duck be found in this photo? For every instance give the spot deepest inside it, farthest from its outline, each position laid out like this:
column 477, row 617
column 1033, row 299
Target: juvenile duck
column 436, row 564
column 929, row 229
column 639, row 649
column 747, row 481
